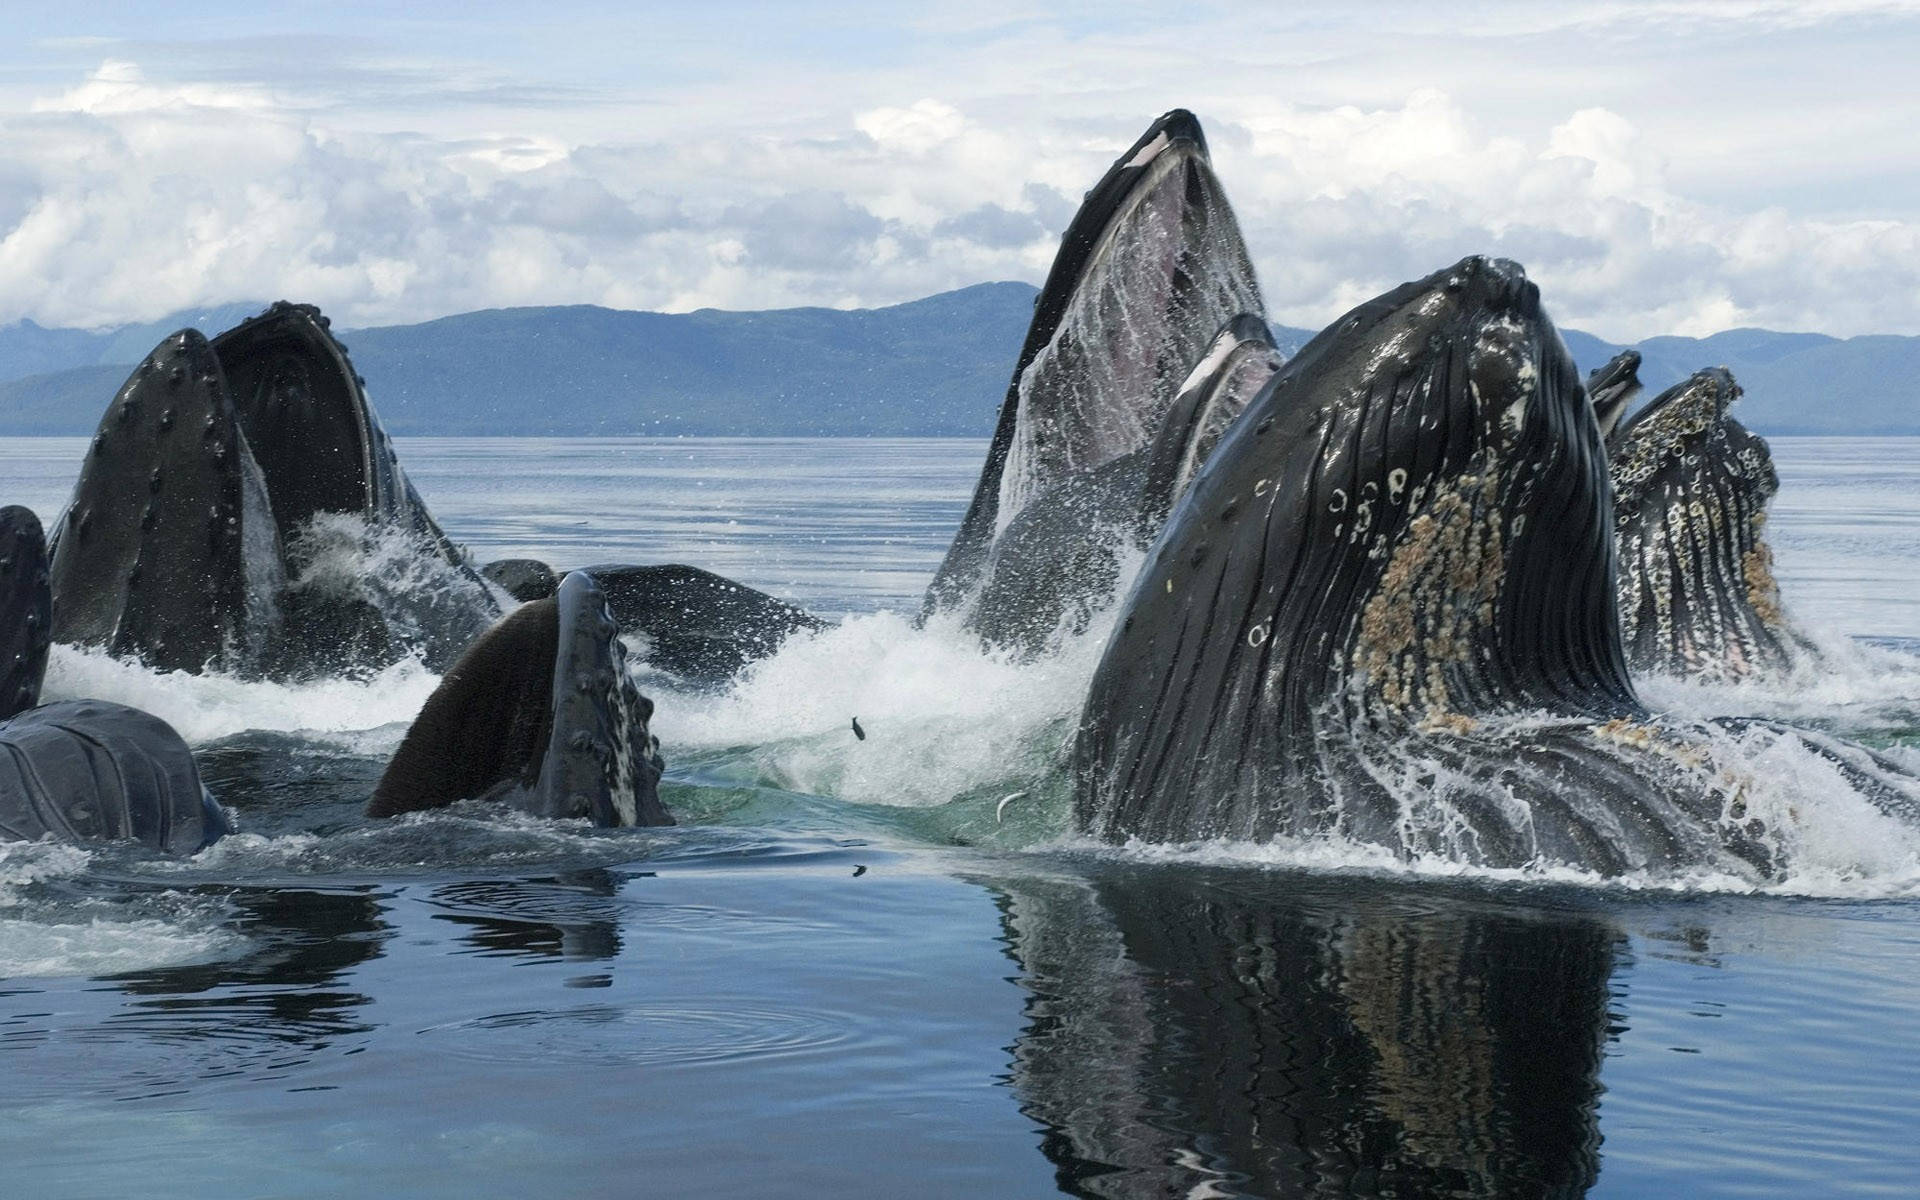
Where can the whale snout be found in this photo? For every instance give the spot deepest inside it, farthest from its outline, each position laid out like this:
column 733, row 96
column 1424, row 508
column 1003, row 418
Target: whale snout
column 1497, row 284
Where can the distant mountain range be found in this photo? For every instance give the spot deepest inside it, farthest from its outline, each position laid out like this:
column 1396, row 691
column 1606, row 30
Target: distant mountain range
column 933, row 367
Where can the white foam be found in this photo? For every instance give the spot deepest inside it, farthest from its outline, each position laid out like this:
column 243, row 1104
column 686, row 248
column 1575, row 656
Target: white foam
column 204, row 707
column 1832, row 841
column 41, row 938
column 1844, row 678
column 103, row 947
column 23, row 863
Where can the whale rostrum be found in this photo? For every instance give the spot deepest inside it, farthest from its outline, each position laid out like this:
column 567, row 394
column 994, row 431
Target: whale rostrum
column 1612, row 387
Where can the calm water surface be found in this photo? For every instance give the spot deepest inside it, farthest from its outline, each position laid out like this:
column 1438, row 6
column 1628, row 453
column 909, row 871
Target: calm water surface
column 854, row 970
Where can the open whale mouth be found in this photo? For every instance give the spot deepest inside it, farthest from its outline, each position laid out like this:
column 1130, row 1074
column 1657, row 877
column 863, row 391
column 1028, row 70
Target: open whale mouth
column 1404, row 534
column 539, row 713
column 1698, row 596
column 1151, row 266
column 235, row 450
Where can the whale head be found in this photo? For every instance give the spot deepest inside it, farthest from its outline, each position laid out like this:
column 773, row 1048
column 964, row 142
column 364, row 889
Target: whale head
column 1407, row 529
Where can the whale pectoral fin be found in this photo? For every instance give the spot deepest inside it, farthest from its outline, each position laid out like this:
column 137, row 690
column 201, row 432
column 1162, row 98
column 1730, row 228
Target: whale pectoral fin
column 26, row 610
column 540, row 713
column 87, row 770
column 153, row 553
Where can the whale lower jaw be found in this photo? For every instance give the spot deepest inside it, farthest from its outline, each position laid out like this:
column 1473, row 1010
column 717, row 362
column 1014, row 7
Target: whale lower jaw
column 541, row 714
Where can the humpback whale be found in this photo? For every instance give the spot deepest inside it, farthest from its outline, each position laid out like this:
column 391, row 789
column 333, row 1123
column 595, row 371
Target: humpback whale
column 1385, row 611
column 694, row 624
column 539, row 713
column 26, row 610
column 1150, row 267
column 1612, row 387
column 233, row 513
column 1691, row 487
column 82, row 770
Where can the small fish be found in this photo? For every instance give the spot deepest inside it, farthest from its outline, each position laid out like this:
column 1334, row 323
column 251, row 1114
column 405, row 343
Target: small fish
column 859, row 869
column 1002, row 806
column 857, row 731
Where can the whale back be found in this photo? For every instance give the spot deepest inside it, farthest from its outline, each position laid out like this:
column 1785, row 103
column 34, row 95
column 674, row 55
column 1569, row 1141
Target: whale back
column 1691, row 489
column 1149, row 268
column 700, row 626
column 26, row 610
column 1407, row 529
column 87, row 770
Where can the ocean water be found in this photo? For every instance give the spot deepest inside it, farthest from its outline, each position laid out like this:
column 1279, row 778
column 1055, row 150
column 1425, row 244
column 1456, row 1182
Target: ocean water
column 886, row 967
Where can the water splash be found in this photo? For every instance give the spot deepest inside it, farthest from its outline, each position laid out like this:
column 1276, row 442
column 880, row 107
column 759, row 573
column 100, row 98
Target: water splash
column 431, row 606
column 206, row 707
column 944, row 716
column 1845, row 685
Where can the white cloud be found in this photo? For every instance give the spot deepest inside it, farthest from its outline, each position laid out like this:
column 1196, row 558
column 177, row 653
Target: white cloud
column 118, row 87
column 123, row 197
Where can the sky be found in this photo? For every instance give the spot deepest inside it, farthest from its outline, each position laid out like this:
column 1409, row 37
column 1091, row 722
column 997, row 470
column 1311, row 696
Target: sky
column 1659, row 166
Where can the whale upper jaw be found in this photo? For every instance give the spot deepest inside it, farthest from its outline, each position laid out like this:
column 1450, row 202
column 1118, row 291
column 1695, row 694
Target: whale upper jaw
column 150, row 557
column 601, row 761
column 1612, row 387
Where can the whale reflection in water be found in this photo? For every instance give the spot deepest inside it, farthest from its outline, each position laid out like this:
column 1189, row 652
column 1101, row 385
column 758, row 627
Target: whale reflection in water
column 1213, row 1033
